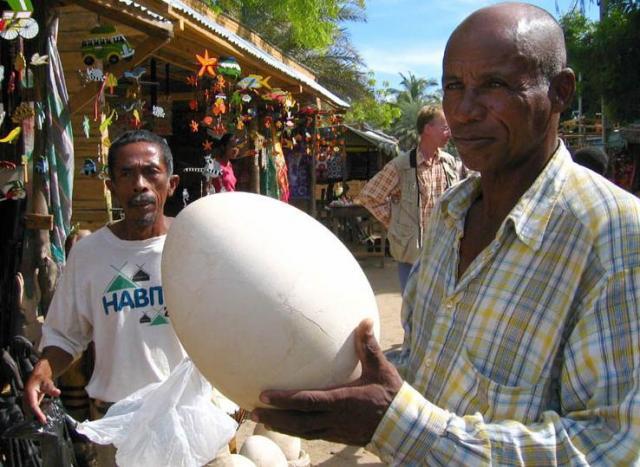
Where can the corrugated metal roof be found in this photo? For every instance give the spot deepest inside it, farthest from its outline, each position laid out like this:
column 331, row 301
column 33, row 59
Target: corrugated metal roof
column 255, row 51
column 385, row 143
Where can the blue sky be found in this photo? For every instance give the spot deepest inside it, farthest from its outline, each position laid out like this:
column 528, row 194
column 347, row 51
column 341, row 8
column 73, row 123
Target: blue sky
column 410, row 35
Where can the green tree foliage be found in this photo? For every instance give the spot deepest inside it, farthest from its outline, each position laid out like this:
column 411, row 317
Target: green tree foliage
column 310, row 32
column 413, row 94
column 607, row 55
column 375, row 108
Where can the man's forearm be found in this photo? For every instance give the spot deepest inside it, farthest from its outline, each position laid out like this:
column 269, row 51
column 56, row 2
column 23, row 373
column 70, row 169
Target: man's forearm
column 56, row 359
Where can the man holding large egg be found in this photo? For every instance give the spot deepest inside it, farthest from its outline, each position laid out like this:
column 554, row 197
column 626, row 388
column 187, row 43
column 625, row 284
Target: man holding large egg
column 522, row 316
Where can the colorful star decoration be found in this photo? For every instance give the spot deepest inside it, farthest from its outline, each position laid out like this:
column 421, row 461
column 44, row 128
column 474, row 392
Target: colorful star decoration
column 207, row 145
column 192, row 80
column 207, row 64
column 194, row 126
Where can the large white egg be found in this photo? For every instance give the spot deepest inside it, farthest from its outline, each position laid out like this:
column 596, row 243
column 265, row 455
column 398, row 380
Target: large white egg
column 289, row 445
column 263, row 452
column 262, row 296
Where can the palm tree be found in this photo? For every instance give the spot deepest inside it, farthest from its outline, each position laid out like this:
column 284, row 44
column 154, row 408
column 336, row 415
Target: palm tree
column 410, row 98
column 413, row 89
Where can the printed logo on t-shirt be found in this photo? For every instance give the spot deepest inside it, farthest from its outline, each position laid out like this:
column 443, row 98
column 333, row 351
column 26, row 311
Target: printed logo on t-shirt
column 126, row 293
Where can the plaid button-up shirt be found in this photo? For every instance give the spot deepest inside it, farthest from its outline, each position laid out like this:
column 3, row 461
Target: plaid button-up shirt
column 377, row 194
column 532, row 356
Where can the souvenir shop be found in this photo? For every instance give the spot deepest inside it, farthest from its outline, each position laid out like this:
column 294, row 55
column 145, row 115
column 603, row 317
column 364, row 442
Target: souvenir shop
column 77, row 73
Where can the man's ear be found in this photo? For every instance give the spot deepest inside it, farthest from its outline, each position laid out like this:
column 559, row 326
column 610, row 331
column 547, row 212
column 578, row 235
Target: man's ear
column 562, row 88
column 174, row 181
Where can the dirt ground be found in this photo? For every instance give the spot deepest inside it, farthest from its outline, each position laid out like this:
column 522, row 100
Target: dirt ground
column 384, row 282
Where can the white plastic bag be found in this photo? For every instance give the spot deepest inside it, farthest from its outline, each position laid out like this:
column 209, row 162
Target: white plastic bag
column 173, row 423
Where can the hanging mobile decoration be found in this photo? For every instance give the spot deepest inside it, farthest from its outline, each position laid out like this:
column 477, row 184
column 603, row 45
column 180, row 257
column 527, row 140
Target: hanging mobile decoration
column 158, row 111
column 22, row 112
column 20, row 62
column 193, row 104
column 86, row 126
column 194, row 126
column 220, row 107
column 106, row 123
column 254, row 82
column 89, row 167
column 207, row 145
column 111, row 82
column 40, row 115
column 185, row 197
column 107, row 44
column 207, row 64
column 192, row 80
column 12, row 135
column 37, row 59
column 18, row 24
column 229, row 67
column 136, row 74
column 42, row 166
column 90, row 75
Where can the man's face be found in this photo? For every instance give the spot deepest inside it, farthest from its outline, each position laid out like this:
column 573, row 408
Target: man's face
column 141, row 182
column 437, row 131
column 495, row 101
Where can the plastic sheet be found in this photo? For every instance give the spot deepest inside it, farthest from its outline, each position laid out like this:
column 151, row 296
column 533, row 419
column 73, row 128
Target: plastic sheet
column 169, row 423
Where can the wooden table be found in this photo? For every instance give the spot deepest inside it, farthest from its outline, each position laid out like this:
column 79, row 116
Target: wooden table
column 359, row 230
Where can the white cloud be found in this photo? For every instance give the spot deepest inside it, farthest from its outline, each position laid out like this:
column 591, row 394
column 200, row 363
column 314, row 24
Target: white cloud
column 403, row 60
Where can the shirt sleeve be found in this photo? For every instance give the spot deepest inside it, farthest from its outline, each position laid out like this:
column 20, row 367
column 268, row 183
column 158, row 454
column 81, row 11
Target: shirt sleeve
column 598, row 414
column 66, row 325
column 376, row 194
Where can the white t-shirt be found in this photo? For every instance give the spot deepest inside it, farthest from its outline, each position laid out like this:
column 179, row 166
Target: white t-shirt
column 111, row 293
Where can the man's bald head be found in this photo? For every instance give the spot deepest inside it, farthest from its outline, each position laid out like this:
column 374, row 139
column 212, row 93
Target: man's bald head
column 535, row 34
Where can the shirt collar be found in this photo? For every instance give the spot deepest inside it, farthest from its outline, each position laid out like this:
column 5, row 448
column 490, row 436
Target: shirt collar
column 530, row 216
column 420, row 159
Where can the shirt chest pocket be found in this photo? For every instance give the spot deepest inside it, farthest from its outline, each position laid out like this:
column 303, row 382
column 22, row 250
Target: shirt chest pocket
column 474, row 391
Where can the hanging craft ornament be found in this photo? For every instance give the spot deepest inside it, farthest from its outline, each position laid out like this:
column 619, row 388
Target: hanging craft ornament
column 207, row 64
column 86, row 126
column 220, row 84
column 89, row 168
column 107, row 44
column 157, row 111
column 253, row 82
column 42, row 166
column 111, row 82
column 229, row 67
column 37, row 59
column 22, row 112
column 192, row 80
column 136, row 73
column 193, row 104
column 219, row 107
column 18, row 24
column 194, row 126
column 20, row 62
column 207, row 145
column 12, row 135
column 106, row 123
column 90, row 75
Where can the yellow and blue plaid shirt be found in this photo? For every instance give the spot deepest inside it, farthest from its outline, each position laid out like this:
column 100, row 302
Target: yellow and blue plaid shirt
column 532, row 356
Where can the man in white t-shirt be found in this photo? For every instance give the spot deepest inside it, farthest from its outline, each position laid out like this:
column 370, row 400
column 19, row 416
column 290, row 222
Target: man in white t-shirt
column 111, row 291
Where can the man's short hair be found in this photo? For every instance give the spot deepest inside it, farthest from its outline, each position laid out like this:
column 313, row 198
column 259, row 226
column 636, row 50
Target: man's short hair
column 138, row 136
column 592, row 158
column 425, row 115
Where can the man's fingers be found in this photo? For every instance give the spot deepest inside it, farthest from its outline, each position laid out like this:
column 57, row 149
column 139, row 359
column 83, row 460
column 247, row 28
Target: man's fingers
column 368, row 349
column 290, row 422
column 305, row 401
